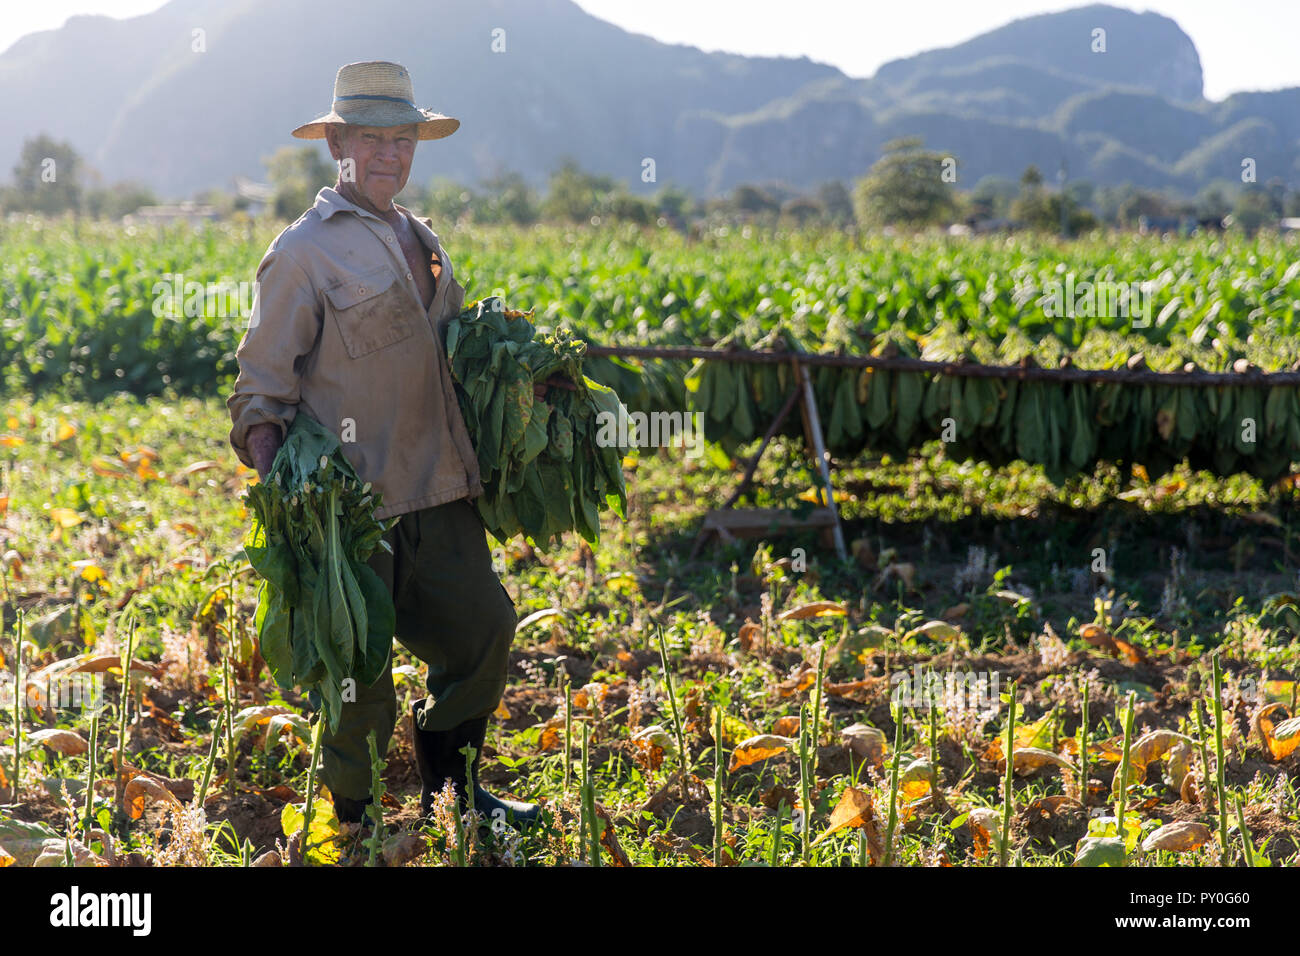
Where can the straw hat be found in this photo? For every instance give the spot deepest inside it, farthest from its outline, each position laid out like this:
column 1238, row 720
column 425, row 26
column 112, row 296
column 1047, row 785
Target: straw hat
column 377, row 93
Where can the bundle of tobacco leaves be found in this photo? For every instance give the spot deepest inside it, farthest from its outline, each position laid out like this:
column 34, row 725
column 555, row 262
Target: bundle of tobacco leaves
column 323, row 615
column 547, row 467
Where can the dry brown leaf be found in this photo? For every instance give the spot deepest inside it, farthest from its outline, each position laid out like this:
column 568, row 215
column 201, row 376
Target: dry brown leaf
column 66, row 742
column 984, row 824
column 1147, row 749
column 1130, row 652
column 855, row 810
column 866, row 743
column 1097, row 636
column 1280, row 739
column 1177, row 837
column 934, row 631
column 786, row 726
column 138, row 793
column 403, row 848
column 1028, row 759
column 757, row 748
column 814, row 609
column 956, row 612
column 846, row 688
column 551, row 739
column 749, row 634
column 609, row 839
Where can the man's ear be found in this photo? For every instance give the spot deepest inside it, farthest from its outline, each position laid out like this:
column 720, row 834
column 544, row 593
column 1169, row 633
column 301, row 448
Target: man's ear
column 334, row 137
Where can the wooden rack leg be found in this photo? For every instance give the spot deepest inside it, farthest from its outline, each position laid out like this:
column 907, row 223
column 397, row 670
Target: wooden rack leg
column 813, row 428
column 771, row 433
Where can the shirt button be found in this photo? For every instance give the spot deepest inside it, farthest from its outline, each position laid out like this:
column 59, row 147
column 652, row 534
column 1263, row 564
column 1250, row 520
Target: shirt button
column 389, row 238
column 361, row 289
column 409, row 276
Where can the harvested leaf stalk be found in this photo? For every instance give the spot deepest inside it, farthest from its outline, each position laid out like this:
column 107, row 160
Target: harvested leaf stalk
column 323, row 615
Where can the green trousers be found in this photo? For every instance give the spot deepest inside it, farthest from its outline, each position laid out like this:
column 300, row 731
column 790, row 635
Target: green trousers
column 454, row 614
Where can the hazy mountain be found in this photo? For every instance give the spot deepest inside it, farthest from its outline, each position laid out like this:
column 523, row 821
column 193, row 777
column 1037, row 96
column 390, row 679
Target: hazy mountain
column 138, row 100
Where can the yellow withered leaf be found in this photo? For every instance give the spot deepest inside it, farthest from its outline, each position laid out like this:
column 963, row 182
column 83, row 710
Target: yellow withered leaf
column 1097, row 636
column 1029, row 759
column 108, row 468
column 933, row 630
column 65, row 517
column 66, row 431
column 1148, row 748
column 12, row 441
column 66, row 742
column 90, row 571
column 5, row 858
column 815, row 609
column 1179, row 837
column 786, row 726
column 856, row 810
column 985, row 824
column 139, row 791
column 502, row 712
column 1280, row 739
column 757, row 748
column 656, row 735
column 4, row 505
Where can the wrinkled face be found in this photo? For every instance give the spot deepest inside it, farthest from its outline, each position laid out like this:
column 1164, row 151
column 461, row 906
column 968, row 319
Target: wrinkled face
column 381, row 157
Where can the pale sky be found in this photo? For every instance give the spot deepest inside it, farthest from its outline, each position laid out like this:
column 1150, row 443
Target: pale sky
column 1244, row 44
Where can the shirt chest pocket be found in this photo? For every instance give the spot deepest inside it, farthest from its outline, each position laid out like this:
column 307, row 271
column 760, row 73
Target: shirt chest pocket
column 372, row 311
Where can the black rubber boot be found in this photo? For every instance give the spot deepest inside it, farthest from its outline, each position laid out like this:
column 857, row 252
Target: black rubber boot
column 516, row 813
column 431, row 761
column 351, row 811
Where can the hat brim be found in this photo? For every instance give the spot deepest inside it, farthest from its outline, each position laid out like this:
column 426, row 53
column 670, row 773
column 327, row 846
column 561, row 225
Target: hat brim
column 430, row 125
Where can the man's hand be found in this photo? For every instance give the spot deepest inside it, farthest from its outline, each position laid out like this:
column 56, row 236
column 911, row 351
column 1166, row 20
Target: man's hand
column 263, row 442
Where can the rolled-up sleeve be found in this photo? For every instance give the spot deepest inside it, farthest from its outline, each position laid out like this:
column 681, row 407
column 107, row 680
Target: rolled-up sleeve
column 282, row 332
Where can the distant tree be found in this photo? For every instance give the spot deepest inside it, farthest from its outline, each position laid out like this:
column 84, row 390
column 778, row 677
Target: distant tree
column 1252, row 210
column 1143, row 203
column 575, row 195
column 623, row 205
column 992, row 198
column 114, row 202
column 673, row 203
column 1031, row 178
column 1213, row 202
column 448, row 201
column 748, row 201
column 836, row 202
column 47, row 178
column 504, row 197
column 297, row 174
column 904, row 187
column 1291, row 207
column 802, row 211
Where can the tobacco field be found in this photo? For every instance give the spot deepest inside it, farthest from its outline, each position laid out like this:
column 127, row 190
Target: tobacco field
column 1121, row 624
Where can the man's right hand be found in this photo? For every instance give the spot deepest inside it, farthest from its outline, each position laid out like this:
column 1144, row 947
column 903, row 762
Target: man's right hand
column 263, row 442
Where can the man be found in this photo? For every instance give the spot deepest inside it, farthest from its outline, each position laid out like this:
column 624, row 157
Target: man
column 347, row 327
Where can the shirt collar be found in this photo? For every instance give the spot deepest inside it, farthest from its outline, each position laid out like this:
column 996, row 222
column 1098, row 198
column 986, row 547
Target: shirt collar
column 329, row 201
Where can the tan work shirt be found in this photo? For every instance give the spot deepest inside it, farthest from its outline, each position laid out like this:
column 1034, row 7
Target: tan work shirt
column 338, row 331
